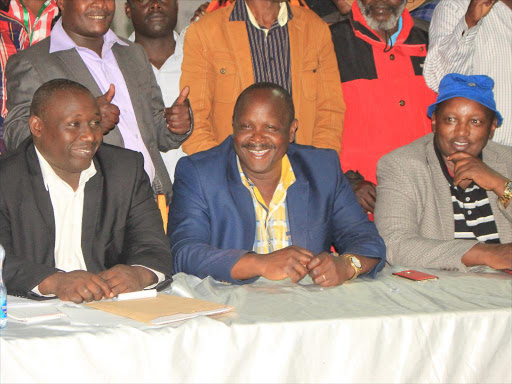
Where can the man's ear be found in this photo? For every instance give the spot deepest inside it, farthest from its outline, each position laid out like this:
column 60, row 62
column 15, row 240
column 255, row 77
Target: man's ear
column 128, row 10
column 60, row 4
column 493, row 127
column 36, row 125
column 434, row 122
column 293, row 129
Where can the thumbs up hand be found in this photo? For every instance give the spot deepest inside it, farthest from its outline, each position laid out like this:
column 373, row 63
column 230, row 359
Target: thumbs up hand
column 178, row 116
column 109, row 112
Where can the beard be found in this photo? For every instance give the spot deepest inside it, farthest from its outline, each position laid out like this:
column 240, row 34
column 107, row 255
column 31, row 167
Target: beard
column 385, row 25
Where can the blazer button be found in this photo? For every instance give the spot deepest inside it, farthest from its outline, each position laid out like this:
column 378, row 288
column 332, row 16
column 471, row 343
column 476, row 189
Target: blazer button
column 223, row 71
column 391, row 57
column 314, row 70
column 402, row 103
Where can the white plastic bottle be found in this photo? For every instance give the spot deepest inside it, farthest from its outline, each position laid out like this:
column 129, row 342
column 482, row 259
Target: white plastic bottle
column 3, row 291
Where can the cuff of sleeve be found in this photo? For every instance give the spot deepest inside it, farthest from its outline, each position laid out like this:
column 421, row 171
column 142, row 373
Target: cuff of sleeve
column 159, row 275
column 36, row 291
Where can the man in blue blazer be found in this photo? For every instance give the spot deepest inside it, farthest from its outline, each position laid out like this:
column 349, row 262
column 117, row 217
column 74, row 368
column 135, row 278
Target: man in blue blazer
column 257, row 205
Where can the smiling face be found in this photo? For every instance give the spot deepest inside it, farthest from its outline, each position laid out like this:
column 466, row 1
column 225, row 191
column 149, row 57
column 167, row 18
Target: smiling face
column 382, row 15
column 152, row 18
column 68, row 133
column 262, row 132
column 462, row 125
column 86, row 19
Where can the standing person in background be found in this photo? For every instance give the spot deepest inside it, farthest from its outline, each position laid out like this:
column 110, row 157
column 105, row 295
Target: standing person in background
column 154, row 22
column 82, row 48
column 37, row 16
column 474, row 37
column 255, row 41
column 13, row 38
column 22, row 23
column 380, row 56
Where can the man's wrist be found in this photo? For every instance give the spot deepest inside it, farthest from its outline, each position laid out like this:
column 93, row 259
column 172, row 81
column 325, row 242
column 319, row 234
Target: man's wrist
column 48, row 285
column 145, row 276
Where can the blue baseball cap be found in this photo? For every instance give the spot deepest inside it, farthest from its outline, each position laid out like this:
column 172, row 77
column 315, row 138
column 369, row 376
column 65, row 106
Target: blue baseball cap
column 476, row 87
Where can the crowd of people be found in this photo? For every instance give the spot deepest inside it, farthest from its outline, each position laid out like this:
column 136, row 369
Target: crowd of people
column 280, row 138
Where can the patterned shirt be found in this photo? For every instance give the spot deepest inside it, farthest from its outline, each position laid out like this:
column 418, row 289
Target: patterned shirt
column 472, row 212
column 38, row 26
column 270, row 48
column 426, row 10
column 272, row 225
column 13, row 38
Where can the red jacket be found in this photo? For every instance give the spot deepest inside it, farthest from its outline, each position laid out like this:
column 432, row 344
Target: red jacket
column 385, row 93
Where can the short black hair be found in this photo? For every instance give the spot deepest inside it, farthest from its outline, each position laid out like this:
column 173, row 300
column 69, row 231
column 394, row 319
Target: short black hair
column 45, row 93
column 286, row 97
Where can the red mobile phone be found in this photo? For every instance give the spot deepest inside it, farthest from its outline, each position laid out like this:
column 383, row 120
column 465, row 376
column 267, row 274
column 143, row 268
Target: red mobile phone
column 411, row 274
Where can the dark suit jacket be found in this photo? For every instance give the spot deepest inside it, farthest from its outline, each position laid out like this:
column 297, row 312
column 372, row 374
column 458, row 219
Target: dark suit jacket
column 34, row 66
column 121, row 222
column 212, row 221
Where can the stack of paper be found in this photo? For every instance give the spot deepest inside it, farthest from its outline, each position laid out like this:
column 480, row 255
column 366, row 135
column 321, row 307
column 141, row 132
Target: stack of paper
column 29, row 311
column 162, row 309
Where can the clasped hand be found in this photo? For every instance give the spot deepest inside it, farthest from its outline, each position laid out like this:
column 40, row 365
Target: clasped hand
column 295, row 262
column 79, row 286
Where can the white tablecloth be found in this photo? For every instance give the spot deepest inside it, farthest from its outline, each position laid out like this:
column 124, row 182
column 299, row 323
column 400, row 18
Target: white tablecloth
column 455, row 329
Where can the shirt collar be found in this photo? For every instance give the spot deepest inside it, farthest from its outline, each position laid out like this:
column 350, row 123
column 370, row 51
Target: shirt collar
column 242, row 12
column 287, row 174
column 60, row 40
column 49, row 174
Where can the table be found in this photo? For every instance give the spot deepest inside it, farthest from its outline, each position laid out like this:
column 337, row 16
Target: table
column 455, row 329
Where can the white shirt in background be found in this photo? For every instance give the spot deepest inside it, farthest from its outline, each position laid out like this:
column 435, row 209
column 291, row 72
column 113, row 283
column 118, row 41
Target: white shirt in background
column 168, row 79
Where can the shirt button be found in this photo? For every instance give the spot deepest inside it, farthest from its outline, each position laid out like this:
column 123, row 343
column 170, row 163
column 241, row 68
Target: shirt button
column 402, row 103
column 470, row 212
column 223, row 71
column 391, row 57
column 467, row 198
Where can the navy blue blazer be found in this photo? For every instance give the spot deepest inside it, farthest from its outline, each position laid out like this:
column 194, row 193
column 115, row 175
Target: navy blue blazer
column 212, row 222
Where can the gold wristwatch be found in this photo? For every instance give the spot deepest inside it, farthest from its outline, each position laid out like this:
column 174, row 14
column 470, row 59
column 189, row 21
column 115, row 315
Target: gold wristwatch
column 355, row 263
column 507, row 195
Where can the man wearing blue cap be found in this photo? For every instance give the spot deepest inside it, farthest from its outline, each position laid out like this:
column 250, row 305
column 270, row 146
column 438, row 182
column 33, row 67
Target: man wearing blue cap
column 444, row 201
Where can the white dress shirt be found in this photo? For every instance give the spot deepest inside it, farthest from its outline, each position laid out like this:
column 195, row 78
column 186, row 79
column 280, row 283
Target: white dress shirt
column 68, row 206
column 168, row 79
column 485, row 49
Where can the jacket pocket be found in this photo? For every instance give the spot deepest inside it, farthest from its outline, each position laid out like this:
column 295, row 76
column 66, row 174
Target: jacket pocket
column 227, row 80
column 309, row 75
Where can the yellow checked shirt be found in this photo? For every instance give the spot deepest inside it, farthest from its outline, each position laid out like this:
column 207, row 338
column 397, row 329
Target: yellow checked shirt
column 272, row 227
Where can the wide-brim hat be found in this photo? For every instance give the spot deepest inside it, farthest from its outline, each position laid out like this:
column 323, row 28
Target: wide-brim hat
column 476, row 87
column 411, row 4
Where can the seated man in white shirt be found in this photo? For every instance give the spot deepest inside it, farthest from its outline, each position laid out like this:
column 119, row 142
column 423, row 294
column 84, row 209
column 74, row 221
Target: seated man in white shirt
column 77, row 218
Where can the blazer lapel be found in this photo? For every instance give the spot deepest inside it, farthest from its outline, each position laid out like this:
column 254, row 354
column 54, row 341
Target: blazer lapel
column 91, row 213
column 243, row 201
column 41, row 195
column 297, row 200
column 78, row 69
column 442, row 193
